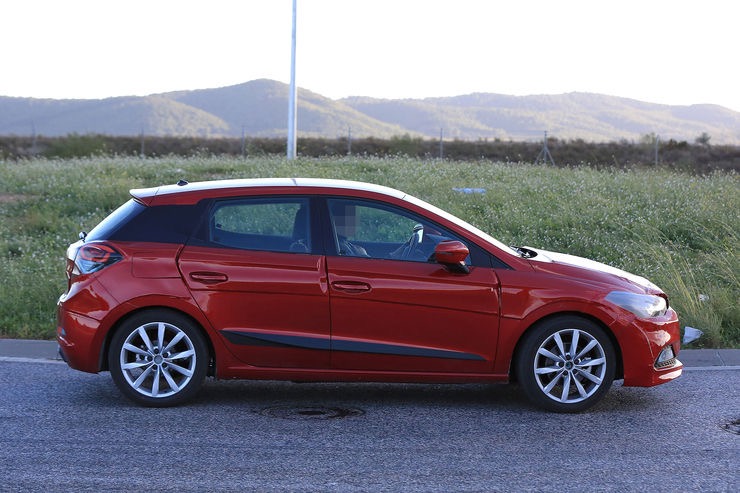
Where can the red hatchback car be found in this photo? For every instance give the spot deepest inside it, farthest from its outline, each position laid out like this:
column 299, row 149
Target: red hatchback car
column 327, row 280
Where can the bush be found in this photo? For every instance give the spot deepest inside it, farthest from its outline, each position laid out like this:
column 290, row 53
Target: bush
column 75, row 145
column 682, row 156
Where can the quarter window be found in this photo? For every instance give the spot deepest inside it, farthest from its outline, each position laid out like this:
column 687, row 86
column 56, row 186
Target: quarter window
column 279, row 225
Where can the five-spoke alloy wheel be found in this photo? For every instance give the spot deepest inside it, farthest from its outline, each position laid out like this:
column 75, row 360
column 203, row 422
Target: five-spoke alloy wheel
column 158, row 358
column 566, row 364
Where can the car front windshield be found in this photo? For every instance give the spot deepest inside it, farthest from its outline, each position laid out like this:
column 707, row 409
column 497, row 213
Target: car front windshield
column 463, row 224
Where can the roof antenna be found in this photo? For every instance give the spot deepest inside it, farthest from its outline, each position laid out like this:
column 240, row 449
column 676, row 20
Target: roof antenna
column 182, row 183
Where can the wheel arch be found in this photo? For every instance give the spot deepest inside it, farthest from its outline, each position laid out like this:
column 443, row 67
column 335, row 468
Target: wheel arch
column 103, row 362
column 516, row 353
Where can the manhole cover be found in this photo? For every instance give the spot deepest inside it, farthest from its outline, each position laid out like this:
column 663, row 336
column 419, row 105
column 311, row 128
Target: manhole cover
column 310, row 412
column 732, row 427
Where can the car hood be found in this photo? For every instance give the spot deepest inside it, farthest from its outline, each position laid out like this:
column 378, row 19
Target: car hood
column 589, row 270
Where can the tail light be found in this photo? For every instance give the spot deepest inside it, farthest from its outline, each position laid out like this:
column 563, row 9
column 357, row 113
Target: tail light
column 87, row 258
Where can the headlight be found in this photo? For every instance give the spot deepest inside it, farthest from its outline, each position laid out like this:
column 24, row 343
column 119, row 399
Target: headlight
column 642, row 305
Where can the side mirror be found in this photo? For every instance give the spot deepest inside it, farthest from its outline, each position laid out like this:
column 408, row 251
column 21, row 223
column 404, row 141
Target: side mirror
column 452, row 254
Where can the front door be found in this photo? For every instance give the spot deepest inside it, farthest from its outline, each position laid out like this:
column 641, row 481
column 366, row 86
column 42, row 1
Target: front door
column 392, row 309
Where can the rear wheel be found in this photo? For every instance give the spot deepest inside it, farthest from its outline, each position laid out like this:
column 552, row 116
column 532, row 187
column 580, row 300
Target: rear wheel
column 566, row 364
column 158, row 358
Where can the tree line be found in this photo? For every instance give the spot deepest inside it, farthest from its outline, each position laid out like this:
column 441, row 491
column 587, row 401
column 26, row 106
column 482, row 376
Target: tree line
column 698, row 157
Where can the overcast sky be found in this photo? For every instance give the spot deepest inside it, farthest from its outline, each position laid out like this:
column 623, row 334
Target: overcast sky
column 673, row 52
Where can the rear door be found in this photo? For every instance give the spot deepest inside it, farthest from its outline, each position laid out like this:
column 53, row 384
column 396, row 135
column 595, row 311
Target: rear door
column 259, row 280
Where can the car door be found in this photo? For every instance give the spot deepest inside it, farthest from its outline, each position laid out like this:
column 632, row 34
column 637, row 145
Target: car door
column 259, row 282
column 394, row 309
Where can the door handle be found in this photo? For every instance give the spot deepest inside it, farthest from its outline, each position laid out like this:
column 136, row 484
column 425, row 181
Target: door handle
column 209, row 277
column 351, row 286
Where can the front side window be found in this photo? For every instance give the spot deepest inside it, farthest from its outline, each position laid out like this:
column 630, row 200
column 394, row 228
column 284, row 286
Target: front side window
column 368, row 229
column 272, row 224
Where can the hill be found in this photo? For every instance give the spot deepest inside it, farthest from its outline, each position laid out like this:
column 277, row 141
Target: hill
column 259, row 108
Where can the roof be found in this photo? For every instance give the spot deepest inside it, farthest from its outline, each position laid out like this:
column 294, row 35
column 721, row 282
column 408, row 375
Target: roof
column 190, row 192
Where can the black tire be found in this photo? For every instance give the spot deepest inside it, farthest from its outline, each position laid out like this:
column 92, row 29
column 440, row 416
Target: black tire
column 559, row 377
column 158, row 358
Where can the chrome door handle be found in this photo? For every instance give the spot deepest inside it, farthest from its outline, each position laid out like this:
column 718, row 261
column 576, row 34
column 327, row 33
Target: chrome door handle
column 351, row 286
column 209, row 277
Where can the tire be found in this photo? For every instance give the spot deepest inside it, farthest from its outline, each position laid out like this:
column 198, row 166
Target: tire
column 158, row 358
column 566, row 364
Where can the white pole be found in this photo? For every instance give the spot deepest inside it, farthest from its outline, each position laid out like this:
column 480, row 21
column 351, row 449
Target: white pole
column 292, row 125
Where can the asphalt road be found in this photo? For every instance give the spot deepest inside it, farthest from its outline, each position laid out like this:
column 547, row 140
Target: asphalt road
column 62, row 430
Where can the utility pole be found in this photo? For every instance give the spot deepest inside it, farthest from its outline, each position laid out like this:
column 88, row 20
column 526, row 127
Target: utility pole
column 292, row 96
column 142, row 153
column 34, row 138
column 244, row 141
column 441, row 143
column 544, row 154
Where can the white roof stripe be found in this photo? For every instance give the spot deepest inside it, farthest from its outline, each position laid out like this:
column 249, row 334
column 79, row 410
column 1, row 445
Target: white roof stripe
column 269, row 182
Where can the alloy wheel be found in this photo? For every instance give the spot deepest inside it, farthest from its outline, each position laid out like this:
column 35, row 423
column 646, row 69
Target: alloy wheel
column 158, row 359
column 570, row 366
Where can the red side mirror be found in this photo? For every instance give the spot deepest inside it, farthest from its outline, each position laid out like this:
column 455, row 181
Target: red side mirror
column 452, row 254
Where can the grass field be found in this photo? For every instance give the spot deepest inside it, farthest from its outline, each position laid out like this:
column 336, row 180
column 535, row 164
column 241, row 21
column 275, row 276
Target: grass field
column 679, row 230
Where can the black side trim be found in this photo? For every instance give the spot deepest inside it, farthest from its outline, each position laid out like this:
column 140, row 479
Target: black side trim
column 275, row 340
column 279, row 340
column 392, row 349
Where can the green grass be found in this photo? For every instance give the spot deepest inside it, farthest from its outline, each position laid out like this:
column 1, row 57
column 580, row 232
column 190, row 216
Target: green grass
column 679, row 230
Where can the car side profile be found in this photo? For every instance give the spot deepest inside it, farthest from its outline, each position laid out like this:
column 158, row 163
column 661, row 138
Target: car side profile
column 328, row 280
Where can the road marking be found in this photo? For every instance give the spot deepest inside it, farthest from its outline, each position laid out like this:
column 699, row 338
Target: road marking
column 32, row 360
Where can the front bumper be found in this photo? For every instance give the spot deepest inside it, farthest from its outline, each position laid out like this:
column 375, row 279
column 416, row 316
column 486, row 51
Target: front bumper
column 642, row 341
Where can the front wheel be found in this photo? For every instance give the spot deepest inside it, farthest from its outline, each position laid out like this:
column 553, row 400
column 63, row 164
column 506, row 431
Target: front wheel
column 566, row 364
column 158, row 358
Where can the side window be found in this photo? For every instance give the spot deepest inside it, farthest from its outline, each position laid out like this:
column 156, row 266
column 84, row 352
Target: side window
column 372, row 229
column 271, row 224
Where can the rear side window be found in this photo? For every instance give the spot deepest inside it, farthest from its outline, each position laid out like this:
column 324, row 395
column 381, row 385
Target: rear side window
column 160, row 224
column 115, row 220
column 272, row 224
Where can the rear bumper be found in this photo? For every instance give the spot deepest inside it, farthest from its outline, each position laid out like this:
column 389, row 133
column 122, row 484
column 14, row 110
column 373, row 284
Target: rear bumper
column 78, row 338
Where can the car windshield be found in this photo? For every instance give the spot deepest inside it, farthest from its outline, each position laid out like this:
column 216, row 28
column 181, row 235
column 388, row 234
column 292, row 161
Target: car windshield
column 462, row 224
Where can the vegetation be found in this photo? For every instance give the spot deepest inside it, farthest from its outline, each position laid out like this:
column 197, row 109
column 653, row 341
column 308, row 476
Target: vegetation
column 678, row 229
column 699, row 157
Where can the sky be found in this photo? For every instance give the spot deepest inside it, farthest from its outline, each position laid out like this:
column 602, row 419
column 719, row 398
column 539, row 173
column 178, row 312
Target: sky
column 676, row 52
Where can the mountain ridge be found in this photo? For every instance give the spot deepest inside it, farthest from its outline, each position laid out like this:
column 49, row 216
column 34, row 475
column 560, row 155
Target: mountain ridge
column 259, row 108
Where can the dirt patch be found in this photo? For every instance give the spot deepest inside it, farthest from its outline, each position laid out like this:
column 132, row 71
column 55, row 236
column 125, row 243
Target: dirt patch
column 9, row 198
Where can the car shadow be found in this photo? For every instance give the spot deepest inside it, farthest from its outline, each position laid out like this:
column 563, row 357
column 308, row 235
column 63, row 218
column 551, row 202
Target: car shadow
column 270, row 393
column 256, row 395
